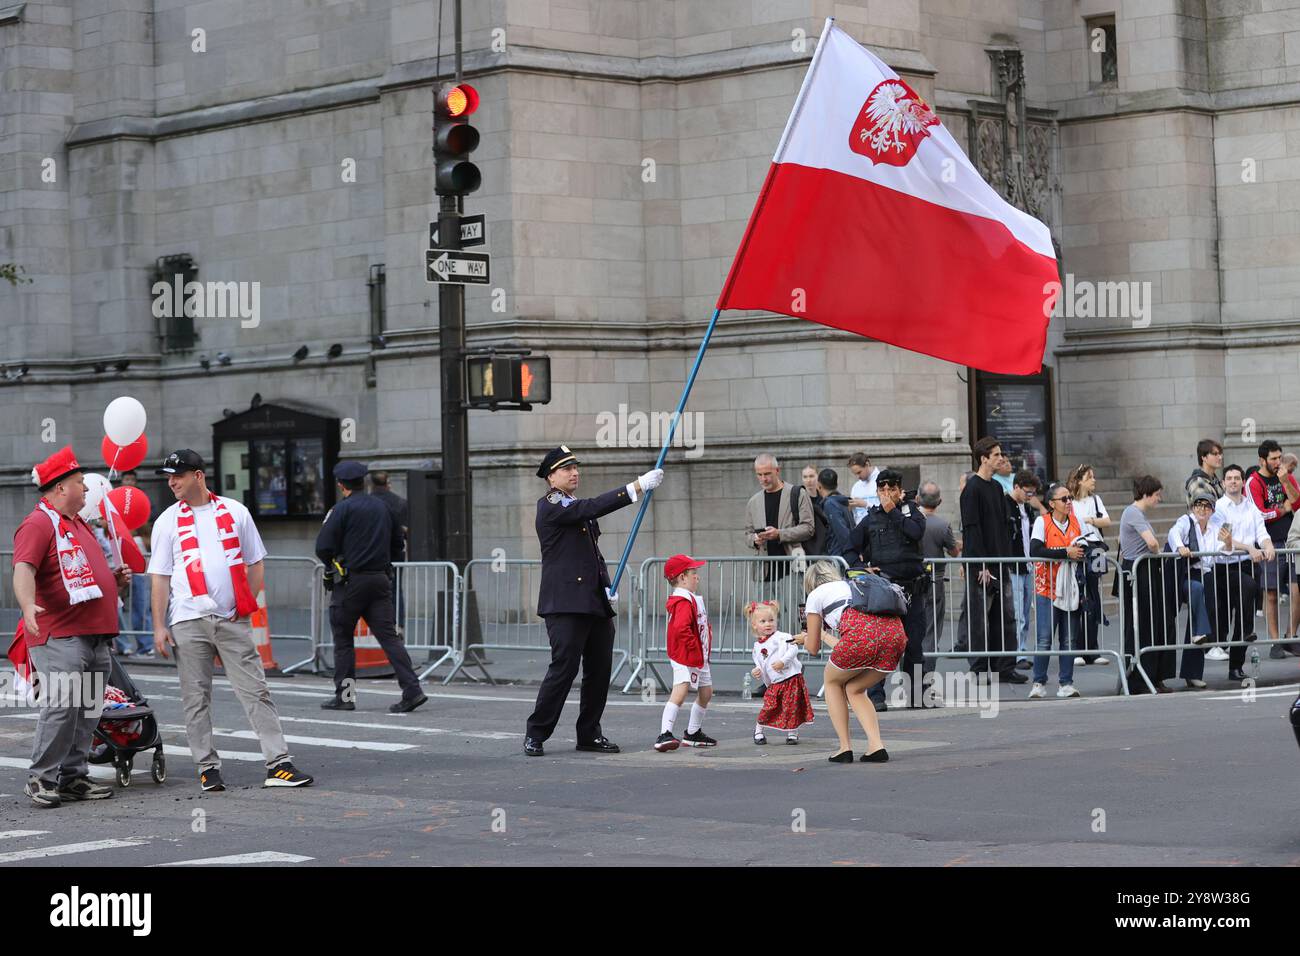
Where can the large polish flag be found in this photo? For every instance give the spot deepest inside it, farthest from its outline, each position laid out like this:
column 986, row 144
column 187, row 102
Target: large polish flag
column 872, row 220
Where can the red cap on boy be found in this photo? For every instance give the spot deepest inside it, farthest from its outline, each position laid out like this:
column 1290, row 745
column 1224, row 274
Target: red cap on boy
column 680, row 563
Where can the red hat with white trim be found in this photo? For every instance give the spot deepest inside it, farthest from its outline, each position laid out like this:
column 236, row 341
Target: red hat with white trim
column 680, row 564
column 55, row 468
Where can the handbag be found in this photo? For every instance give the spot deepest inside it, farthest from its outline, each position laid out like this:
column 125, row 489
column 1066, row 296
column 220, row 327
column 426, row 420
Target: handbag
column 873, row 594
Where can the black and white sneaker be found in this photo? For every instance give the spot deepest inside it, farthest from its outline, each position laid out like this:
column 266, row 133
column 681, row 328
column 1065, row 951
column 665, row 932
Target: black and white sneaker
column 286, row 775
column 760, row 740
column 667, row 742
column 698, row 739
column 210, row 780
column 83, row 788
column 42, row 794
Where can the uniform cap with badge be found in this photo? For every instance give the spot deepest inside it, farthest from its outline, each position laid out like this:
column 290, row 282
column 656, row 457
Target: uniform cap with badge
column 556, row 458
column 350, row 471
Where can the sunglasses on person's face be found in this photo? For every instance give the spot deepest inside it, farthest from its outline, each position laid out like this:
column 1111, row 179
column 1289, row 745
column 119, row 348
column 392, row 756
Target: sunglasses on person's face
column 1063, row 498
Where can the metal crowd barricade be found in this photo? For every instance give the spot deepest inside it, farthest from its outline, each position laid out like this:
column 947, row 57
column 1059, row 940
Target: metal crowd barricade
column 500, row 613
column 1164, row 584
column 294, row 605
column 428, row 595
column 9, row 611
column 951, row 620
column 727, row 584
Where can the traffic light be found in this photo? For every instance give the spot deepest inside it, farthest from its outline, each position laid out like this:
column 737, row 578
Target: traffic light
column 507, row 381
column 453, row 140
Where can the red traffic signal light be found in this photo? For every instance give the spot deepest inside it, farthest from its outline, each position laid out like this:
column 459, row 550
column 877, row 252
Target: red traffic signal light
column 454, row 139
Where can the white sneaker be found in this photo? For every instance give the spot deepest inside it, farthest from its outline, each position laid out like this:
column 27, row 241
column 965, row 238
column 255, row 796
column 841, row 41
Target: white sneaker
column 1216, row 654
column 1037, row 692
column 1080, row 662
column 1200, row 638
column 1067, row 690
column 1198, row 684
column 1102, row 660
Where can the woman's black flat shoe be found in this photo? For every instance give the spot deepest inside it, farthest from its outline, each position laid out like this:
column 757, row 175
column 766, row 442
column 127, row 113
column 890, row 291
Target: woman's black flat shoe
column 876, row 756
column 845, row 757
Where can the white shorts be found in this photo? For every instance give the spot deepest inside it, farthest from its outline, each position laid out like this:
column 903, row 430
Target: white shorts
column 695, row 676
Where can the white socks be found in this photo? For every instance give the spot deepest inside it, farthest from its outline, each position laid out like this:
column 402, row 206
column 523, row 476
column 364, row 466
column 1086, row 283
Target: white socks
column 758, row 730
column 670, row 718
column 697, row 719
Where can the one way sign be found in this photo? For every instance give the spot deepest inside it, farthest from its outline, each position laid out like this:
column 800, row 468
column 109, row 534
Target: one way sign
column 452, row 265
column 473, row 231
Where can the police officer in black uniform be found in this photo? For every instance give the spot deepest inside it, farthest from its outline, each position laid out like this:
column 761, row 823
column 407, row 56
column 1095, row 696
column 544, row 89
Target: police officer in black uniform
column 888, row 540
column 356, row 545
column 574, row 599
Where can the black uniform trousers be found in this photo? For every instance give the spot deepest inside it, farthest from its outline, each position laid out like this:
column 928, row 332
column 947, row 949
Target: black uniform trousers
column 586, row 639
column 368, row 595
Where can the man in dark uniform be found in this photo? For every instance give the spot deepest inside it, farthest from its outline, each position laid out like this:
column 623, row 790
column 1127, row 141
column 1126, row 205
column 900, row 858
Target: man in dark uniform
column 574, row 599
column 356, row 543
column 399, row 511
column 888, row 540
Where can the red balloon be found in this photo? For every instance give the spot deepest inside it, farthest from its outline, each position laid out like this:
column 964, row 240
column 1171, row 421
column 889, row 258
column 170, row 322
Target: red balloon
column 132, row 504
column 124, row 457
column 131, row 555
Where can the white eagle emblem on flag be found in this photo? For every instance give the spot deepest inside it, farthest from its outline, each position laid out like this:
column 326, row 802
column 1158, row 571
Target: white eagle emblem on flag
column 891, row 124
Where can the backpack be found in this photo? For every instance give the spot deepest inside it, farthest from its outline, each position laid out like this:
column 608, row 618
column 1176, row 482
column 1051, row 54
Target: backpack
column 821, row 526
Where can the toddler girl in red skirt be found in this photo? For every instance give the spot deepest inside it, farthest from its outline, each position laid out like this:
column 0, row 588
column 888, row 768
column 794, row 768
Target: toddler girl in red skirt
column 786, row 704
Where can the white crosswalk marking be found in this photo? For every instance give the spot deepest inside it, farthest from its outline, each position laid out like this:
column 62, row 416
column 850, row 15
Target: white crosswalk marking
column 404, row 728
column 309, row 741
column 67, row 849
column 14, row 834
column 243, row 859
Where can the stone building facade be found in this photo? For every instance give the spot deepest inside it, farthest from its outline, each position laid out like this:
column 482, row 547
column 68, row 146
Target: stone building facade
column 623, row 144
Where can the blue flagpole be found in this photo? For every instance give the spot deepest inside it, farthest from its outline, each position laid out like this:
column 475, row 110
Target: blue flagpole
column 663, row 452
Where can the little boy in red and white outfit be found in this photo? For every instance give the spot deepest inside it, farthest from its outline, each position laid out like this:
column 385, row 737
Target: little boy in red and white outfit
column 689, row 642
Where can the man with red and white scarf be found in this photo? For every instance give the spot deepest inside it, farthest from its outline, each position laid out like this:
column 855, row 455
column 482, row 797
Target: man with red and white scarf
column 68, row 597
column 207, row 557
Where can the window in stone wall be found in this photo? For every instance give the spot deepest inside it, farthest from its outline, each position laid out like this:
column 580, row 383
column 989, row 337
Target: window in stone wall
column 1103, row 54
column 278, row 461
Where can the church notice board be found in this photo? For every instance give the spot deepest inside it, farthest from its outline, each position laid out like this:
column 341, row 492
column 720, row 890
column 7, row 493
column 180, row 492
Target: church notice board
column 1019, row 411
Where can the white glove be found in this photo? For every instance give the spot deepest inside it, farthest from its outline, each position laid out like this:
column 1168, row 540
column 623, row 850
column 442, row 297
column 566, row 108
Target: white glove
column 651, row 479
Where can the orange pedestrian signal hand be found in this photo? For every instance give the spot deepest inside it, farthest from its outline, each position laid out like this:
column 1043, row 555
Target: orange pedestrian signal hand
column 525, row 380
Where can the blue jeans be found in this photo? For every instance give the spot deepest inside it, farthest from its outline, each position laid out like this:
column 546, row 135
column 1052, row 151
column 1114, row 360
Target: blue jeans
column 1022, row 595
column 1069, row 635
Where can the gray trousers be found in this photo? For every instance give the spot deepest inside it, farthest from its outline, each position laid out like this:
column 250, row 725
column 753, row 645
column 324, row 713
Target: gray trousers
column 197, row 643
column 63, row 733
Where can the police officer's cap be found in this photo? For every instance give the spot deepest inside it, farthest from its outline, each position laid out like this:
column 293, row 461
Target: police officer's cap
column 888, row 476
column 349, row 471
column 556, row 458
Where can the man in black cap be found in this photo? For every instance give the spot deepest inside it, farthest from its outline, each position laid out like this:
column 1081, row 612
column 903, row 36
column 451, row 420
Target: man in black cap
column 357, row 543
column 574, row 599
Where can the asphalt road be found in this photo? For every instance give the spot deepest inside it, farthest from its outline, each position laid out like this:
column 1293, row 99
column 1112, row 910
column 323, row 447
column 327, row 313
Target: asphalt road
column 1184, row 779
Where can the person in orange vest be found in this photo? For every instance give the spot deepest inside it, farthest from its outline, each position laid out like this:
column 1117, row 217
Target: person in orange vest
column 358, row 540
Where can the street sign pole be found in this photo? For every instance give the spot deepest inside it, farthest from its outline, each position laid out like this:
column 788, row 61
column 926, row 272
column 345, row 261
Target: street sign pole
column 459, row 545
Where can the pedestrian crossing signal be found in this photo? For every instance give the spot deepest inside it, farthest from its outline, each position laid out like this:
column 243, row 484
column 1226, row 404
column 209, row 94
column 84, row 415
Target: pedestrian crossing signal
column 495, row 381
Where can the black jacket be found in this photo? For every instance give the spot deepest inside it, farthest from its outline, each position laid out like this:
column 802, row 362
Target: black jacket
column 889, row 540
column 361, row 533
column 574, row 577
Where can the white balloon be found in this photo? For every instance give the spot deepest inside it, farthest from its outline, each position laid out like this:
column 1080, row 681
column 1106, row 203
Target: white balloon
column 97, row 487
column 124, row 420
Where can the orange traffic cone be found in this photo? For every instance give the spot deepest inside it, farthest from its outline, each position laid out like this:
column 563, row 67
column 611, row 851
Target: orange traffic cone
column 262, row 634
column 369, row 655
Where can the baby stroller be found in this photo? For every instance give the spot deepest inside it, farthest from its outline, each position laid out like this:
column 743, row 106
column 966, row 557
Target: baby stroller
column 126, row 727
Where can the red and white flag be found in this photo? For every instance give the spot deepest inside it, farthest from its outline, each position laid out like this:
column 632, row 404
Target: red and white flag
column 872, row 220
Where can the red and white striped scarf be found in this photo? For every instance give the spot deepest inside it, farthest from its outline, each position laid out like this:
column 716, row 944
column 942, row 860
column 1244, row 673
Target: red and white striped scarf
column 192, row 556
column 78, row 577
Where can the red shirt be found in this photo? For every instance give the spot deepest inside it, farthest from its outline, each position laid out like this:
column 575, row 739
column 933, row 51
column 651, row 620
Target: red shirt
column 34, row 544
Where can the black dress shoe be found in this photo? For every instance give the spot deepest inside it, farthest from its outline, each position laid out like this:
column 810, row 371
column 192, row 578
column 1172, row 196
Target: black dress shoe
column 1012, row 677
column 533, row 747
column 601, row 745
column 1238, row 674
column 876, row 756
column 844, row 757
column 405, row 706
column 334, row 703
